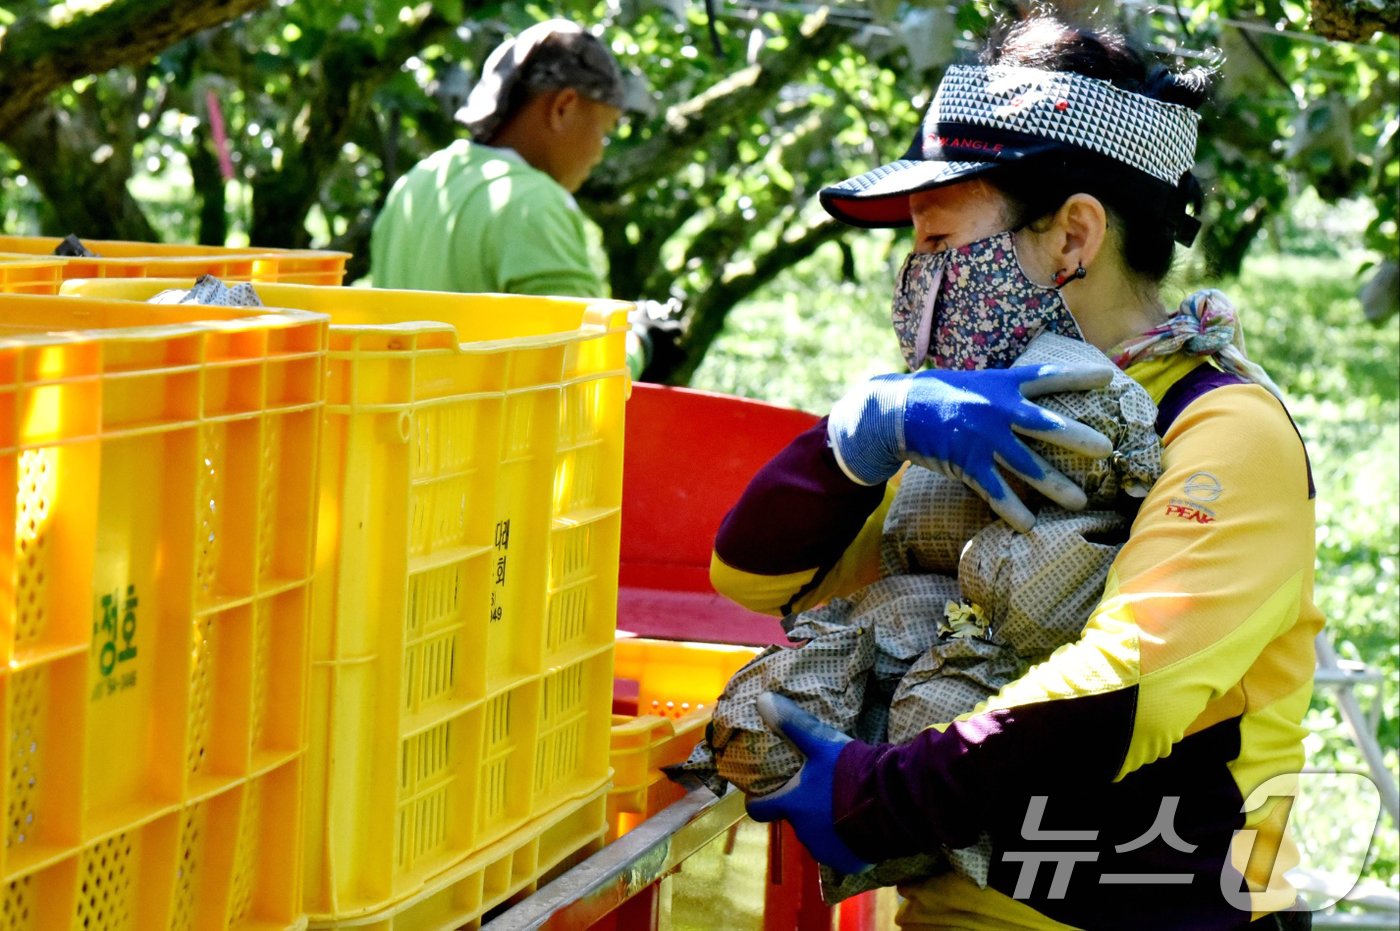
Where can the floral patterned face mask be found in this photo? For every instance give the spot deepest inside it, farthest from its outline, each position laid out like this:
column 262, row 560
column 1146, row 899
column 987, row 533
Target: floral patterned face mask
column 973, row 307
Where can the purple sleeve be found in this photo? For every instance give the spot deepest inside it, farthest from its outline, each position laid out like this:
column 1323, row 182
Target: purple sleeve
column 799, row 512
column 1059, row 758
column 945, row 787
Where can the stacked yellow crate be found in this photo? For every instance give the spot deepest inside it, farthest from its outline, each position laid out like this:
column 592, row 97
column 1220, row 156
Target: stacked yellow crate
column 161, row 466
column 676, row 684
column 465, row 600
column 21, row 274
column 121, row 259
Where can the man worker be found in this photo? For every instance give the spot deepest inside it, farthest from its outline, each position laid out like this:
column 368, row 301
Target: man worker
column 495, row 213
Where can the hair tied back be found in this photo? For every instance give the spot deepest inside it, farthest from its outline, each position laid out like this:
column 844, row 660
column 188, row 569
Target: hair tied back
column 1188, row 194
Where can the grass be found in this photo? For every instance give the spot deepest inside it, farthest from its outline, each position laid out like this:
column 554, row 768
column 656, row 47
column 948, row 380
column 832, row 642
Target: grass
column 807, row 337
column 722, row 885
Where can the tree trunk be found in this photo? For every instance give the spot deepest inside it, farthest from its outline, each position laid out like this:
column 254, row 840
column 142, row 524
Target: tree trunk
column 728, row 241
column 88, row 198
column 355, row 241
column 209, row 189
column 1225, row 250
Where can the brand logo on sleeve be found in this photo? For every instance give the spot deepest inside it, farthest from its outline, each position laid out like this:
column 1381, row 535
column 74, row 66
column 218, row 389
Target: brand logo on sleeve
column 1181, row 509
column 1203, row 487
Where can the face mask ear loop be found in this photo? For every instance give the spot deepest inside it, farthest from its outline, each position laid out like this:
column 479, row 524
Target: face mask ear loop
column 924, row 335
column 1060, row 280
column 915, row 326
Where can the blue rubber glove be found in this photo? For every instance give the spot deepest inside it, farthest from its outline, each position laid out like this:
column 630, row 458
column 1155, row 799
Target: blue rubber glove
column 964, row 424
column 805, row 799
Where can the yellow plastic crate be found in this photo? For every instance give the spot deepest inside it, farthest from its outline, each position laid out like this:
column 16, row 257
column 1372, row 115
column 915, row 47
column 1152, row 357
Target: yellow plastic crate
column 678, row 683
column 466, row 594
column 154, row 628
column 227, row 861
column 514, row 866
column 30, row 276
column 121, row 259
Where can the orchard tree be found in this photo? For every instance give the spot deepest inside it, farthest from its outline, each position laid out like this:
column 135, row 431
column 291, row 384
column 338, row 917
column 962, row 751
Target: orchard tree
column 74, row 135
column 1294, row 109
column 286, row 123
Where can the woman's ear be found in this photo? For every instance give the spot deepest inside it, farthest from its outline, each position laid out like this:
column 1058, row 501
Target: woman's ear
column 1079, row 229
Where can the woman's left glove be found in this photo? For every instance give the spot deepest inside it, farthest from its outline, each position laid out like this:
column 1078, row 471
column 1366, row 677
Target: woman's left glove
column 968, row 425
column 806, row 798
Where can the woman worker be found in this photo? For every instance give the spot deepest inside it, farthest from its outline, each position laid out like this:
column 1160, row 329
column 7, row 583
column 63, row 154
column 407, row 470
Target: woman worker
column 1114, row 779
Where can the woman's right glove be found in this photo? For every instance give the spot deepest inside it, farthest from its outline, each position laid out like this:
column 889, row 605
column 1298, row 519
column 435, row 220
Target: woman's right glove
column 964, row 424
column 805, row 800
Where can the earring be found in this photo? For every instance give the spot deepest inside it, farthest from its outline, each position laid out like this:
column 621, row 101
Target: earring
column 1062, row 279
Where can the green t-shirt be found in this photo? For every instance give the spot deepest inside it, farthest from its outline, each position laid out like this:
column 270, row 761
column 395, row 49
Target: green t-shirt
column 478, row 219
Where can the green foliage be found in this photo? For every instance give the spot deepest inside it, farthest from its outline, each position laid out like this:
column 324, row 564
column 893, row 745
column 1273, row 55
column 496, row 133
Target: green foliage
column 325, row 105
column 1290, row 112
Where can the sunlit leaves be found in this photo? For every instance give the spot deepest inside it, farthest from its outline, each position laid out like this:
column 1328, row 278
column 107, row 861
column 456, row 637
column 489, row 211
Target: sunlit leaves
column 265, row 69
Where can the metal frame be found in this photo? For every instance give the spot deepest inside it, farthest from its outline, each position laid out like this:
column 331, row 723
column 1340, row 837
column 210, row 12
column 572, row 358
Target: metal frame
column 634, row 865
column 1342, row 677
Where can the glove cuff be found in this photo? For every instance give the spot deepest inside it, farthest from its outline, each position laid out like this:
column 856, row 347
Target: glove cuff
column 866, row 429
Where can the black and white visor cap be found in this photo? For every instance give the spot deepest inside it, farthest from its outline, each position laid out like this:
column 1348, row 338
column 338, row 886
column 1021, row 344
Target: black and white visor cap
column 986, row 116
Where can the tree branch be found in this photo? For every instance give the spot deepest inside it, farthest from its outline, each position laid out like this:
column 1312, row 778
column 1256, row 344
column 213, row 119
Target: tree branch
column 350, row 74
column 47, row 50
column 636, row 269
column 708, row 313
column 689, row 124
column 731, row 231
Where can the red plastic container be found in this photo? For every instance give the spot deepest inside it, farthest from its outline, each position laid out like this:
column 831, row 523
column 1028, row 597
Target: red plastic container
column 687, row 457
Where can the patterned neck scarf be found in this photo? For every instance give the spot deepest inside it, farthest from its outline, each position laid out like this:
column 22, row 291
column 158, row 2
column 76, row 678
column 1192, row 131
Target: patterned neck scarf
column 1206, row 324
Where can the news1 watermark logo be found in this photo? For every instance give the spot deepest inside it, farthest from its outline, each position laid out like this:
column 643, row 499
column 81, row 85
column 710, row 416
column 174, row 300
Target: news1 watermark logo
column 1332, row 818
